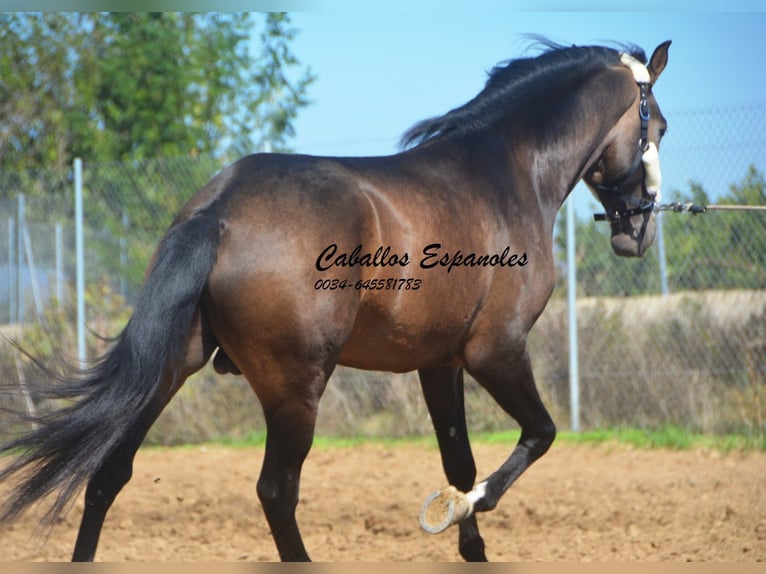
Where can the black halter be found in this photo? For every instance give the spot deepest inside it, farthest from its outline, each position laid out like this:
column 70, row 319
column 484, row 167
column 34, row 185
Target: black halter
column 631, row 205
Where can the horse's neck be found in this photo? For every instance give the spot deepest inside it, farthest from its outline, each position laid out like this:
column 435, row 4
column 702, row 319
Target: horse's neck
column 559, row 162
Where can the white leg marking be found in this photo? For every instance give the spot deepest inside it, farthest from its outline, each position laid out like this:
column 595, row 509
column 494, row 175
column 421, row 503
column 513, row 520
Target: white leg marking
column 478, row 492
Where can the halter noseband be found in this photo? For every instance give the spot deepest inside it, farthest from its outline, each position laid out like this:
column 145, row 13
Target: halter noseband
column 647, row 153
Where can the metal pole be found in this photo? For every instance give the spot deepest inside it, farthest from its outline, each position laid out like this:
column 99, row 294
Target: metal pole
column 574, row 376
column 34, row 283
column 661, row 255
column 124, row 253
column 80, row 262
column 21, row 224
column 735, row 207
column 59, row 264
column 12, row 270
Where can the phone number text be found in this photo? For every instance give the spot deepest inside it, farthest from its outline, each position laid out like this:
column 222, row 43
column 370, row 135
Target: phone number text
column 409, row 284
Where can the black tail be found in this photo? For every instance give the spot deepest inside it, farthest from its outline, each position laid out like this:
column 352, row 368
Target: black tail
column 68, row 445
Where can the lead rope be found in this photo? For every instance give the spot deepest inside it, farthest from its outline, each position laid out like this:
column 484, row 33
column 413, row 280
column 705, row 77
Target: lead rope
column 694, row 209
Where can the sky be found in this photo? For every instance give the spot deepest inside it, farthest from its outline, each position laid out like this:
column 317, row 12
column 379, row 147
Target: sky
column 379, row 72
column 383, row 65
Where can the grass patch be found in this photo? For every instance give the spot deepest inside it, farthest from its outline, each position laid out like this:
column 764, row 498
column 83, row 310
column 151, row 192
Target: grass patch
column 668, row 437
column 258, row 440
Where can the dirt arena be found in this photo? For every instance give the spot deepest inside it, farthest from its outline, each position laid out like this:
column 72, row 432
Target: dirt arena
column 579, row 503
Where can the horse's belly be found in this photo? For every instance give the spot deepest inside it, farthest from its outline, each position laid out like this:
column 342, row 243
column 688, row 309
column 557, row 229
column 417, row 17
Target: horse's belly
column 391, row 357
column 406, row 334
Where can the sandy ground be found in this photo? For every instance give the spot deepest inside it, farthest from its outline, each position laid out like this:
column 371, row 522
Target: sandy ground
column 579, row 503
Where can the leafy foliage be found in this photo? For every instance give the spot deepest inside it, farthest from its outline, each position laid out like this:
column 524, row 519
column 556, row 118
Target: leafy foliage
column 117, row 86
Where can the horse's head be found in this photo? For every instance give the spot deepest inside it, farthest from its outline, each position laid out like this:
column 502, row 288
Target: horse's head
column 626, row 177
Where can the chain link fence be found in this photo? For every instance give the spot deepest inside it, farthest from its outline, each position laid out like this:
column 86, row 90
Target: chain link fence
column 674, row 341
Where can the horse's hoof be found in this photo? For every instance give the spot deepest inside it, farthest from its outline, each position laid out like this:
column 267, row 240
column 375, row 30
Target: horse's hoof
column 444, row 508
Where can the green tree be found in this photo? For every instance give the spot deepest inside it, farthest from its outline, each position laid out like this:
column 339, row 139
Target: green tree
column 117, row 86
column 719, row 250
column 37, row 92
column 599, row 270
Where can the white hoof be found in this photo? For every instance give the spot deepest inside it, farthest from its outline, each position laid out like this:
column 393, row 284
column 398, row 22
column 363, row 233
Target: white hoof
column 444, row 508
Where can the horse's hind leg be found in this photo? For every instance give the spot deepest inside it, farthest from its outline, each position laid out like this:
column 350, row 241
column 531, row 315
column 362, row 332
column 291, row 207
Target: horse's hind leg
column 289, row 376
column 115, row 472
column 104, row 486
column 290, row 431
column 290, row 409
column 443, row 392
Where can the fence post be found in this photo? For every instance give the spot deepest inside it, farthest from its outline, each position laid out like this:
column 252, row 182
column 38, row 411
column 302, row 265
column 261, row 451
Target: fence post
column 661, row 255
column 124, row 252
column 34, row 283
column 80, row 262
column 20, row 224
column 574, row 376
column 59, row 247
column 11, row 270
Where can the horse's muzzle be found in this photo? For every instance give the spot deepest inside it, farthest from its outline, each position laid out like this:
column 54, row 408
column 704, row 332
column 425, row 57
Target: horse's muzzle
column 632, row 242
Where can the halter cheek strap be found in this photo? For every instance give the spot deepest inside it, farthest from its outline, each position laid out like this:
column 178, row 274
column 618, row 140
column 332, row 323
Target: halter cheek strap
column 649, row 154
column 650, row 157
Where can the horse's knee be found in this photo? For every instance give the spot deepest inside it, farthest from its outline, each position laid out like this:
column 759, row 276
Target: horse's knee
column 548, row 434
column 540, row 438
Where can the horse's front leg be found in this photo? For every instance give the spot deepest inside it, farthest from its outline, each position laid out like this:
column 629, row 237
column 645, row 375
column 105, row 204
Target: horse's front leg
column 508, row 378
column 443, row 392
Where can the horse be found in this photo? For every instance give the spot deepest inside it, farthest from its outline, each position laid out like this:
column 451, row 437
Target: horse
column 437, row 259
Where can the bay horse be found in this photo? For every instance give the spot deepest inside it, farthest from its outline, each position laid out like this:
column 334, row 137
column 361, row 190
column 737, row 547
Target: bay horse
column 437, row 259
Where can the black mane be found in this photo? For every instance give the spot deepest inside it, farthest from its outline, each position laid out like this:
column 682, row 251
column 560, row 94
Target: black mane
column 512, row 82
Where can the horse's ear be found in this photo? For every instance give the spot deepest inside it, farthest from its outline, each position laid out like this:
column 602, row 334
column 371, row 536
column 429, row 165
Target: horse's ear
column 658, row 61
